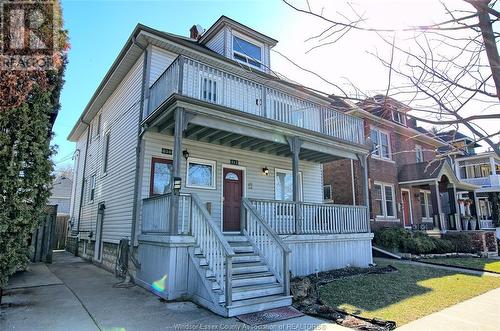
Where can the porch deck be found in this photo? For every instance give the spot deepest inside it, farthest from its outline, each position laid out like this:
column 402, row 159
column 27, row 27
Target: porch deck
column 246, row 93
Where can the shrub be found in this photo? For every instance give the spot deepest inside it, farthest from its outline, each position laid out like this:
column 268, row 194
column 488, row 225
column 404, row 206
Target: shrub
column 462, row 243
column 418, row 244
column 390, row 237
column 442, row 246
column 490, row 239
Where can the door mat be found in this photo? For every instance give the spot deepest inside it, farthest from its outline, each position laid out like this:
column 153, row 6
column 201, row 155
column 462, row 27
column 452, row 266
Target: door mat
column 269, row 316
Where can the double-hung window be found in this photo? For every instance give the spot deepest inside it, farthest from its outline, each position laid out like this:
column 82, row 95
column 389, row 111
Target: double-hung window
column 247, row 52
column 92, row 186
column 385, row 203
column 200, row 173
column 380, row 143
column 283, row 185
column 105, row 154
column 399, row 117
column 419, row 153
column 426, row 205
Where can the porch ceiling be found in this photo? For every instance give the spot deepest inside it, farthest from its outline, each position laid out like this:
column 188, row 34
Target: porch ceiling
column 237, row 134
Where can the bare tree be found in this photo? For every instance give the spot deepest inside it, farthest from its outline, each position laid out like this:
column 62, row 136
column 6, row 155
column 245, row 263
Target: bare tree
column 446, row 65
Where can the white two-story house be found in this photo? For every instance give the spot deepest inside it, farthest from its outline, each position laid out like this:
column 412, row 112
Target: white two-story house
column 211, row 166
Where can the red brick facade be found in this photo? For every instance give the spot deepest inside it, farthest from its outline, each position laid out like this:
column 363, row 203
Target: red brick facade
column 402, row 147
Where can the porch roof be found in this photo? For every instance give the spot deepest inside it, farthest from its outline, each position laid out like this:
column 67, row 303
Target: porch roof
column 430, row 172
column 224, row 126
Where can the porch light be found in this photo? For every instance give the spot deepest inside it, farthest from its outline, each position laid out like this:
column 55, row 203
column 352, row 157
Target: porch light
column 177, row 185
column 185, row 153
column 265, row 171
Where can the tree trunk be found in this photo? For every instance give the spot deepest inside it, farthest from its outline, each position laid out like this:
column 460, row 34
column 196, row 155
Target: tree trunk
column 490, row 45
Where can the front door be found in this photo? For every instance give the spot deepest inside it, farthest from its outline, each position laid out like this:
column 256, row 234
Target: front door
column 233, row 191
column 406, row 208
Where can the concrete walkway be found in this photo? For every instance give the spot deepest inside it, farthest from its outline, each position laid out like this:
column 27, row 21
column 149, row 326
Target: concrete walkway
column 71, row 294
column 479, row 313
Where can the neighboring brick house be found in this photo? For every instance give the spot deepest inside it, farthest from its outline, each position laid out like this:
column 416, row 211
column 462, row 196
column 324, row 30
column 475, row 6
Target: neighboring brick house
column 403, row 185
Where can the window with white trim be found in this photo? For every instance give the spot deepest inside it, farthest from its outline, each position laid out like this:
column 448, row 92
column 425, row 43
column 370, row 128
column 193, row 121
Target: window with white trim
column 399, row 117
column 247, row 52
column 419, row 153
column 380, row 143
column 425, row 205
column 385, row 203
column 105, row 154
column 283, row 185
column 200, row 173
column 209, row 88
column 92, row 185
column 327, row 193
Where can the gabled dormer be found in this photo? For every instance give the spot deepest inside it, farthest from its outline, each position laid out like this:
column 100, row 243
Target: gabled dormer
column 387, row 108
column 237, row 42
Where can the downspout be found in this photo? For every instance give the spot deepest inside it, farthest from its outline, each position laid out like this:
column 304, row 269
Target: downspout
column 139, row 142
column 83, row 185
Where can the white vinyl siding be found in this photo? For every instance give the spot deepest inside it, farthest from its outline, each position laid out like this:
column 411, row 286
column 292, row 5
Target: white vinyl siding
column 160, row 60
column 216, row 44
column 120, row 113
column 257, row 184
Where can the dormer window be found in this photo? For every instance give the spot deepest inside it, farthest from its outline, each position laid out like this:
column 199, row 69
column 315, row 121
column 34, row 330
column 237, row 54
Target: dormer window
column 398, row 117
column 247, row 52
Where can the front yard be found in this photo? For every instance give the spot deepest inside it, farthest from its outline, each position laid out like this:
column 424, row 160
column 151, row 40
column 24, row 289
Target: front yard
column 403, row 296
column 469, row 262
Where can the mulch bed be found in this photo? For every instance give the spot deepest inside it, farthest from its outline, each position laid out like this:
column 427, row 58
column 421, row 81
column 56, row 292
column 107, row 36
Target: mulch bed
column 306, row 298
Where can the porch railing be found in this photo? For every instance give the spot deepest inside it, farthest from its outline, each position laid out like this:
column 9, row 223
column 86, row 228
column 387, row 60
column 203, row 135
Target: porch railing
column 267, row 243
column 205, row 82
column 156, row 214
column 314, row 218
column 213, row 246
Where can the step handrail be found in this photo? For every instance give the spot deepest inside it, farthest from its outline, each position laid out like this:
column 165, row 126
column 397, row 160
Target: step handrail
column 217, row 252
column 266, row 245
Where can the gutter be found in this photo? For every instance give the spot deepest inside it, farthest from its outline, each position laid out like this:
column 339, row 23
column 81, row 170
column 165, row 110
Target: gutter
column 83, row 183
column 145, row 73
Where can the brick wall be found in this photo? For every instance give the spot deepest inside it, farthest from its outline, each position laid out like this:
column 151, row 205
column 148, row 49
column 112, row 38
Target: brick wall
column 338, row 174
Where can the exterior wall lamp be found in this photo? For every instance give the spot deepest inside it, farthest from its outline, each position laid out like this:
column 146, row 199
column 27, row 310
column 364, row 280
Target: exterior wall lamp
column 185, row 153
column 265, row 171
column 177, row 183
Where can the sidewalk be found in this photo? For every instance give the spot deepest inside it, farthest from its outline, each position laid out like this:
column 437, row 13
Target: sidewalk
column 479, row 313
column 72, row 294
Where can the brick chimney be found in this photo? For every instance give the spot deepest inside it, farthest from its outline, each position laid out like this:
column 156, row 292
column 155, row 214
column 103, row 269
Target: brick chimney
column 196, row 32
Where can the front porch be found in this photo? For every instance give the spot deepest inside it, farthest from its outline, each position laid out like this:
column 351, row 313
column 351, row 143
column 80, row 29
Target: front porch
column 441, row 197
column 233, row 206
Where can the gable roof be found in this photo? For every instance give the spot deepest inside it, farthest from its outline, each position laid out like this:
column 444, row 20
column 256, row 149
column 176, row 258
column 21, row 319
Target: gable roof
column 224, row 20
column 427, row 172
column 454, row 135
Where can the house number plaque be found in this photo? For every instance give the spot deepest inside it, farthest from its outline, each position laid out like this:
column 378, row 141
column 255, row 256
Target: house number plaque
column 234, row 162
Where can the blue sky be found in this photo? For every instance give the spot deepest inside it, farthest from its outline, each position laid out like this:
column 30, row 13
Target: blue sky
column 98, row 30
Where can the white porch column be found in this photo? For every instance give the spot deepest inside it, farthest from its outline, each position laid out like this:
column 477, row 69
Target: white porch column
column 180, row 125
column 295, row 143
column 492, row 165
column 363, row 160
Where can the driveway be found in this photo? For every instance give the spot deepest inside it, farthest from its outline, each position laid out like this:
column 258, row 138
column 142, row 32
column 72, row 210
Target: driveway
column 72, row 294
